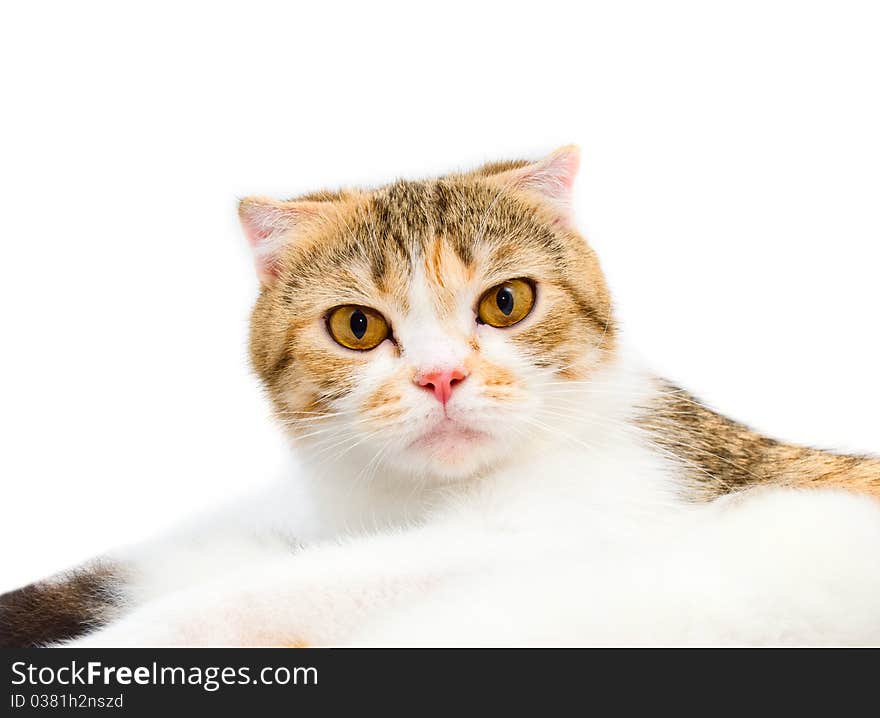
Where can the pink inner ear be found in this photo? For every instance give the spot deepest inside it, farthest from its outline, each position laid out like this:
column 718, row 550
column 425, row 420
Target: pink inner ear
column 261, row 221
column 553, row 177
column 255, row 234
column 268, row 226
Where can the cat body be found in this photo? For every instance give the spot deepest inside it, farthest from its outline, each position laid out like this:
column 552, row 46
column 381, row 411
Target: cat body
column 481, row 460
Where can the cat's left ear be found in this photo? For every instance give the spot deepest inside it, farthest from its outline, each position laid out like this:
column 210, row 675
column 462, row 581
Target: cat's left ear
column 272, row 225
column 551, row 178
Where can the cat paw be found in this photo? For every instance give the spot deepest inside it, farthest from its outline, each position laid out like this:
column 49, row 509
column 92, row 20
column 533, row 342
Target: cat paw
column 196, row 621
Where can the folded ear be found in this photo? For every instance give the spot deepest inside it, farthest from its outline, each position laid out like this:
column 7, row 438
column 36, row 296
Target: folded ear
column 271, row 225
column 551, row 178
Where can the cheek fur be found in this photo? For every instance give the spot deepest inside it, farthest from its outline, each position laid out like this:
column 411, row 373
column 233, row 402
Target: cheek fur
column 559, row 337
column 384, row 404
column 332, row 374
column 314, row 380
column 498, row 382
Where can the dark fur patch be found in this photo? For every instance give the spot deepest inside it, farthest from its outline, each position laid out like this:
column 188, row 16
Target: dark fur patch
column 59, row 609
column 722, row 455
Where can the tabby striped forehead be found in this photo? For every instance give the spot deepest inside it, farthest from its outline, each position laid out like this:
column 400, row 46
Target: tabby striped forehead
column 446, row 229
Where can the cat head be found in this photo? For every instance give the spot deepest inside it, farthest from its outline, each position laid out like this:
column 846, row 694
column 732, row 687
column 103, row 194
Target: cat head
column 428, row 327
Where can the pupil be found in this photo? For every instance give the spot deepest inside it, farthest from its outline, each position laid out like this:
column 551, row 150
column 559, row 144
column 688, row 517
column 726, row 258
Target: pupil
column 504, row 300
column 358, row 324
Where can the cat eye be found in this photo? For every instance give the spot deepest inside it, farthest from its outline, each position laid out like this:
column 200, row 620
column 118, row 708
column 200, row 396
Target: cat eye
column 356, row 327
column 506, row 304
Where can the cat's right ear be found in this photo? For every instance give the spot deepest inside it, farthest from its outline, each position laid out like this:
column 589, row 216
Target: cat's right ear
column 550, row 179
column 270, row 226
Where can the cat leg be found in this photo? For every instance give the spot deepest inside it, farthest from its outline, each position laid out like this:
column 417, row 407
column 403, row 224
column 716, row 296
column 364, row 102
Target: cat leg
column 318, row 598
column 75, row 602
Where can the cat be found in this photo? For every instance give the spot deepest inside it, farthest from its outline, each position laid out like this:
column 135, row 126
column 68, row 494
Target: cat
column 480, row 459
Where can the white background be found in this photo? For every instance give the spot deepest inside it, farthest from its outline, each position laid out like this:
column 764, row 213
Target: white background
column 730, row 183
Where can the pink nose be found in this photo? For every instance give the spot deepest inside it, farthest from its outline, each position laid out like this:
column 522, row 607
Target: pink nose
column 441, row 382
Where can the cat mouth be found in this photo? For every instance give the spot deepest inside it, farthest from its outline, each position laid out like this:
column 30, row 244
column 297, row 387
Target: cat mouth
column 449, row 434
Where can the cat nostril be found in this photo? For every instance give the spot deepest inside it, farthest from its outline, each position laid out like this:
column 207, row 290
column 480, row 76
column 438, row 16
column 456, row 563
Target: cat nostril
column 441, row 382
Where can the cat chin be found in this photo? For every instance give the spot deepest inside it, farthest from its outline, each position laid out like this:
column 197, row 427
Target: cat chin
column 452, row 453
column 450, row 440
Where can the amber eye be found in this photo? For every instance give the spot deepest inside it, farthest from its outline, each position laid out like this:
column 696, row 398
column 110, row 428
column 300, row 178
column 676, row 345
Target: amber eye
column 357, row 327
column 507, row 303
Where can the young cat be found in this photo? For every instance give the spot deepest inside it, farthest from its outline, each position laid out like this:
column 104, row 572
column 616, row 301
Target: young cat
column 479, row 460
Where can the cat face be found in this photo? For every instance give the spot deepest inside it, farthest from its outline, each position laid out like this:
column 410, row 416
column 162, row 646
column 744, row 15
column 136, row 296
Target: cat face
column 427, row 327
